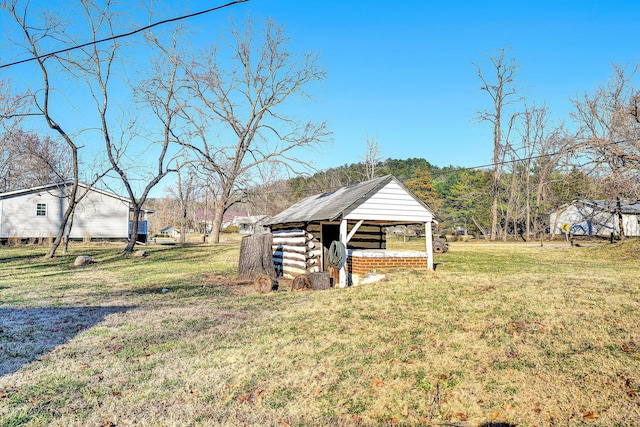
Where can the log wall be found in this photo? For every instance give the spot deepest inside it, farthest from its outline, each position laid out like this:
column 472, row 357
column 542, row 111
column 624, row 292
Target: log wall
column 296, row 251
column 297, row 248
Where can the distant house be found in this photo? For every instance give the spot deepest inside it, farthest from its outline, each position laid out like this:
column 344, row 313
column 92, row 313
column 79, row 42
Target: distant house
column 355, row 218
column 37, row 213
column 231, row 218
column 169, row 231
column 595, row 218
column 252, row 224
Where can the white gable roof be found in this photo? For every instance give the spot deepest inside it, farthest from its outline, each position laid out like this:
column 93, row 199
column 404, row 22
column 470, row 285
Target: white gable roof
column 381, row 199
column 392, row 202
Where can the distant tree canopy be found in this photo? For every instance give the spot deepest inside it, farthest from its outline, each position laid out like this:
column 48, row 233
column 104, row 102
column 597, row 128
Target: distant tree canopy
column 422, row 186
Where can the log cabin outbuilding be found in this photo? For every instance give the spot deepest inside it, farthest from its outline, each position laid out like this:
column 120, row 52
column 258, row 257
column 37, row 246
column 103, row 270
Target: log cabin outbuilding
column 356, row 216
column 37, row 213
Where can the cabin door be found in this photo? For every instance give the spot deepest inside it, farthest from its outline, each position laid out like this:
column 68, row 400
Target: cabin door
column 330, row 232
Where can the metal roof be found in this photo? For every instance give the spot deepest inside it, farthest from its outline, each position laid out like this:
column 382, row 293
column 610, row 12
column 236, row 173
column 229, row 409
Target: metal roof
column 628, row 206
column 57, row 186
column 331, row 205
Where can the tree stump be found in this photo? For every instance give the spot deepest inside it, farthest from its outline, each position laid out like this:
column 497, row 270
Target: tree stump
column 256, row 257
column 320, row 281
column 301, row 283
column 264, row 284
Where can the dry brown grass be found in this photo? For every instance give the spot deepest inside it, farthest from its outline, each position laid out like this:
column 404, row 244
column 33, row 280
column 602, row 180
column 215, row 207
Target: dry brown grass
column 517, row 334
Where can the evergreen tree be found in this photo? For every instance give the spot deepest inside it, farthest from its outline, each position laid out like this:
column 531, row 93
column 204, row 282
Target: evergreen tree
column 422, row 186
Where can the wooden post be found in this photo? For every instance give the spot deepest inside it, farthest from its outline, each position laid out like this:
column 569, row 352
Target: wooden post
column 343, row 239
column 429, row 244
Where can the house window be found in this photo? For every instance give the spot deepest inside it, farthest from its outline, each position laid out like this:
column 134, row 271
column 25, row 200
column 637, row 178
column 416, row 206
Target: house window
column 41, row 209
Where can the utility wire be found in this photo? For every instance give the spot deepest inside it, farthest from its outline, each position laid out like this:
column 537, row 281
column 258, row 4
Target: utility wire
column 130, row 33
column 524, row 159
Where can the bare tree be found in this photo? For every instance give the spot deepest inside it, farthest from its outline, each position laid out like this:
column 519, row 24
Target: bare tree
column 239, row 124
column 185, row 190
column 10, row 117
column 543, row 145
column 35, row 35
column 100, row 64
column 610, row 128
column 32, row 161
column 372, row 157
column 498, row 83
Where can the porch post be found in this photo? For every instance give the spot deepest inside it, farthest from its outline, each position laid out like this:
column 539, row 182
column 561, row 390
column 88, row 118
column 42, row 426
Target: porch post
column 429, row 242
column 343, row 239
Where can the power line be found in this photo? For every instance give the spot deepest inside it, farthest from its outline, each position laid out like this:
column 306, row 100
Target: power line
column 540, row 156
column 130, row 33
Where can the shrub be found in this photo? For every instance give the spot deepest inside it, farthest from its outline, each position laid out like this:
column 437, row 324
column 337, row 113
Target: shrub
column 230, row 229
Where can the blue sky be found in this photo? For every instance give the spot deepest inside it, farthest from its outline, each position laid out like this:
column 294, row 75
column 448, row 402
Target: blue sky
column 402, row 71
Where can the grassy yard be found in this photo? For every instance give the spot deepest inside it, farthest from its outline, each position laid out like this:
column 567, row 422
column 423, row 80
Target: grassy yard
column 511, row 334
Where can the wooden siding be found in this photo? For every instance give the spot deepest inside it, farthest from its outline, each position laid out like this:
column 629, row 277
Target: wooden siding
column 390, row 203
column 98, row 215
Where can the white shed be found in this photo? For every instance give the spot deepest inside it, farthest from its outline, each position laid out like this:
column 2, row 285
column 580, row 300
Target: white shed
column 356, row 216
column 596, row 218
column 38, row 211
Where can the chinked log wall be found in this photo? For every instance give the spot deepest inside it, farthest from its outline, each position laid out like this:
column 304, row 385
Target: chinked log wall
column 295, row 252
column 297, row 248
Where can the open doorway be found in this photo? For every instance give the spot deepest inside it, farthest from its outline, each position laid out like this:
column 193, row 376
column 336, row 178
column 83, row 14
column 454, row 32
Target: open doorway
column 330, row 232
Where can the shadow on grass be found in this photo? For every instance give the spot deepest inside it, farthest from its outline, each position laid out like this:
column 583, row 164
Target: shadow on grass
column 497, row 424
column 171, row 291
column 26, row 334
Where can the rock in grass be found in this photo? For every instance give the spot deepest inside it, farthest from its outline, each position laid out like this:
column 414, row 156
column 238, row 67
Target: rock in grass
column 83, row 260
column 140, row 254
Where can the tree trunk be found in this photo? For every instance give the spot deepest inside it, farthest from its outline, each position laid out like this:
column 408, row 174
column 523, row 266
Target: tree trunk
column 256, row 257
column 528, row 205
column 65, row 245
column 133, row 237
column 216, row 225
column 620, row 221
column 479, row 227
column 63, row 224
column 183, row 226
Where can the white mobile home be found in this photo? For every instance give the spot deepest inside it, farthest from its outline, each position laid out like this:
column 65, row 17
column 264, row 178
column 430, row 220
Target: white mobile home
column 38, row 211
column 596, row 218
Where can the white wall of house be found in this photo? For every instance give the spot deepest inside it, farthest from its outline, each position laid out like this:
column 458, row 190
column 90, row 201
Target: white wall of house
column 588, row 220
column 98, row 215
column 390, row 203
column 101, row 216
column 20, row 217
column 631, row 225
